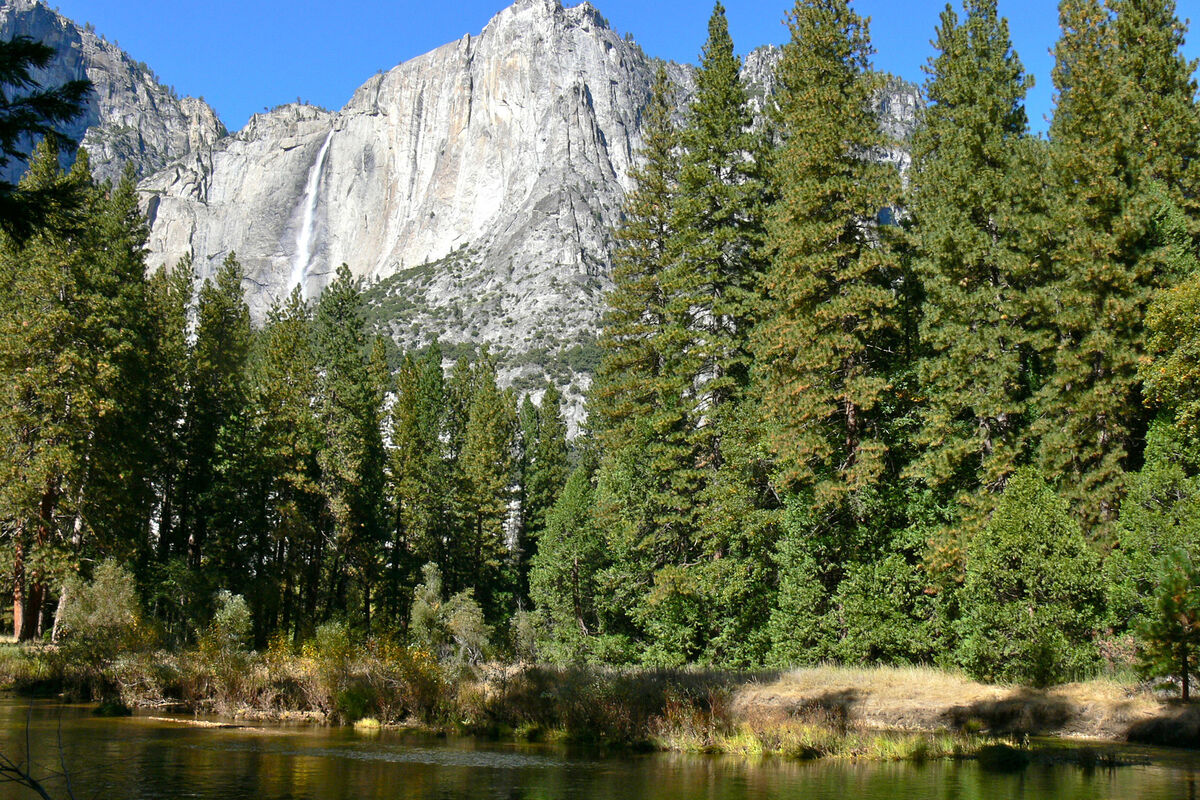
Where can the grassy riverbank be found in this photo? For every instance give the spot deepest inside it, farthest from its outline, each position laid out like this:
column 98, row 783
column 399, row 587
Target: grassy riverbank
column 828, row 712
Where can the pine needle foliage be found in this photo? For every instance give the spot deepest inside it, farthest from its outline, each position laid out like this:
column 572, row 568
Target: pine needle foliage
column 833, row 330
column 1124, row 134
column 975, row 197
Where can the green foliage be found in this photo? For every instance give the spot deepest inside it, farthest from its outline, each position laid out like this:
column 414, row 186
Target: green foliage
column 1032, row 599
column 97, row 621
column 453, row 628
column 975, row 197
column 482, row 477
column 1173, row 329
column 352, row 456
column 563, row 578
column 73, row 393
column 1119, row 74
column 231, row 627
column 832, row 332
column 29, row 112
column 1160, row 515
column 1171, row 633
column 101, row 614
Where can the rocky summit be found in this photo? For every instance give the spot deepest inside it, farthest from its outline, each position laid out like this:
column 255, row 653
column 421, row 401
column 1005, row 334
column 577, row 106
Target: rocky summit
column 131, row 117
column 474, row 189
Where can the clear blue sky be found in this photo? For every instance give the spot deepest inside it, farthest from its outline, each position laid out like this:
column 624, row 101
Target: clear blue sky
column 244, row 55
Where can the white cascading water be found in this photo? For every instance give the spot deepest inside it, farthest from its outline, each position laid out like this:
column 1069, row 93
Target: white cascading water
column 304, row 236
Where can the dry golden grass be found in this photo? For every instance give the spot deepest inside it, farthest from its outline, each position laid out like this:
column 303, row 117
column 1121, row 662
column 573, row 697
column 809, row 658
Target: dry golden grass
column 922, row 698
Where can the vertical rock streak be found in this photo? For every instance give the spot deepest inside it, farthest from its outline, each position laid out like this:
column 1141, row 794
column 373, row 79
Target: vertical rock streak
column 304, row 236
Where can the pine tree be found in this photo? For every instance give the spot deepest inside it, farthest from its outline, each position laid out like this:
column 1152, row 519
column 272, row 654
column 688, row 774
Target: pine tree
column 1171, row 635
column 562, row 582
column 719, row 214
column 170, row 298
column 352, row 455
column 73, row 345
column 637, row 398
column 418, row 473
column 482, row 482
column 1031, row 596
column 1125, row 129
column 283, row 387
column 544, row 475
column 834, row 331
column 119, row 495
column 27, row 111
column 216, row 398
column 974, row 192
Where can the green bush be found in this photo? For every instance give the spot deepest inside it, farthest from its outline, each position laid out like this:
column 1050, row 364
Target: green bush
column 454, row 629
column 1031, row 599
column 223, row 652
column 98, row 620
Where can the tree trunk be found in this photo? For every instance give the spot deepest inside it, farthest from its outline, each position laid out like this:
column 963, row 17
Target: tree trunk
column 58, row 612
column 1184, row 673
column 19, row 615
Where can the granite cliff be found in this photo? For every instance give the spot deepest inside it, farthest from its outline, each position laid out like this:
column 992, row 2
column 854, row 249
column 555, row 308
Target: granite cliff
column 474, row 189
column 130, row 117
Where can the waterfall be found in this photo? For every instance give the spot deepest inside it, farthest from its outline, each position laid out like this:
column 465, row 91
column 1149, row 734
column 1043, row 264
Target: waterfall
column 304, row 236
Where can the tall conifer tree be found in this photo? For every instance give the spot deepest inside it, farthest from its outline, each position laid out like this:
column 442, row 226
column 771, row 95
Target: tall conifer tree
column 284, row 384
column 352, row 457
column 974, row 196
column 1125, row 126
column 833, row 332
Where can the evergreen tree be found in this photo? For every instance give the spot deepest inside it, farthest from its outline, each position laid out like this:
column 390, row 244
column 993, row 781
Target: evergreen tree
column 482, row 482
column 833, row 330
column 418, row 473
column 119, row 494
column 1125, row 126
column 543, row 476
column 1159, row 515
column 638, row 401
column 563, row 575
column 216, row 400
column 638, row 397
column 974, row 193
column 677, row 361
column 283, row 387
column 1031, row 598
column 29, row 112
column 170, row 298
column 73, row 344
column 352, row 455
column 719, row 213
column 1171, row 634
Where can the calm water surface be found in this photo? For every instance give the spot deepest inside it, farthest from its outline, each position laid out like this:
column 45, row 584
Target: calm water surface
column 143, row 758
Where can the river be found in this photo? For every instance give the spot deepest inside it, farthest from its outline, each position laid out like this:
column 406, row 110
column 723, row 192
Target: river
column 141, row 757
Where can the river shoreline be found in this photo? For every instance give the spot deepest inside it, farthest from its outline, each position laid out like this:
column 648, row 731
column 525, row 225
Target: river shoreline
column 888, row 714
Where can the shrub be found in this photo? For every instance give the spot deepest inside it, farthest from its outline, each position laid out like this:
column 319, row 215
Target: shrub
column 454, row 628
column 223, row 648
column 97, row 620
column 1031, row 597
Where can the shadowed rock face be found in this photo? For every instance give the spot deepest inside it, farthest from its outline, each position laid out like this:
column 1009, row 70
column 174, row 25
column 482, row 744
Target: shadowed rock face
column 130, row 116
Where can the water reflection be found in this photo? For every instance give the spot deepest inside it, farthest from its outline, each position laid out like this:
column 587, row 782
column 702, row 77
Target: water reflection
column 145, row 758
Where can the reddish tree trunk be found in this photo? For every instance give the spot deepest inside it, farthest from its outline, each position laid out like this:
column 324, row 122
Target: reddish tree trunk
column 20, row 618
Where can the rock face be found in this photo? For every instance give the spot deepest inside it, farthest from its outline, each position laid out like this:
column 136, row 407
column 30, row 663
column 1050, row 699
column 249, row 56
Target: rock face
column 474, row 188
column 478, row 182
column 130, row 116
